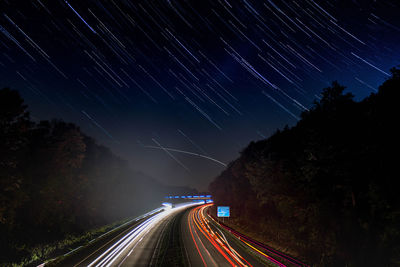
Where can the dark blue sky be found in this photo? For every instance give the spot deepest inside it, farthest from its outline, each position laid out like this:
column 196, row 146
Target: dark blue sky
column 205, row 77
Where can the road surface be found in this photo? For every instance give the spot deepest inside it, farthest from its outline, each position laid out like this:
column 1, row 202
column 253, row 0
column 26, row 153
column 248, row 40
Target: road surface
column 209, row 245
column 182, row 236
column 140, row 246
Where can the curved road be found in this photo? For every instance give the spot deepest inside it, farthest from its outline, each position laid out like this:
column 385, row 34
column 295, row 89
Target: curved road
column 141, row 246
column 212, row 246
column 182, row 236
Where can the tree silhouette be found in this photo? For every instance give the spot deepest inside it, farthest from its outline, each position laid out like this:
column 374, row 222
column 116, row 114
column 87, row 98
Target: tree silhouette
column 56, row 181
column 324, row 188
column 14, row 124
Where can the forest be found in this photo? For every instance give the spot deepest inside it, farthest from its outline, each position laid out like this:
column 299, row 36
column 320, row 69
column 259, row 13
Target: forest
column 324, row 190
column 57, row 182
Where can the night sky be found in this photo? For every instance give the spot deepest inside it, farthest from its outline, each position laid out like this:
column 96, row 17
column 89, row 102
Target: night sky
column 148, row 78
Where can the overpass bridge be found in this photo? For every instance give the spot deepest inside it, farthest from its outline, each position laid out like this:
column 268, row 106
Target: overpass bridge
column 174, row 199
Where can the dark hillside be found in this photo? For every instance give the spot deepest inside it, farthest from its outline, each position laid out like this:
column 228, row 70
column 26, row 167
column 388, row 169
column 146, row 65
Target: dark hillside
column 55, row 182
column 325, row 190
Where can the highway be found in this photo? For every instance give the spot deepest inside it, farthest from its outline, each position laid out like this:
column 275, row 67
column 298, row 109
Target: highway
column 219, row 245
column 181, row 236
column 208, row 246
column 211, row 245
column 139, row 246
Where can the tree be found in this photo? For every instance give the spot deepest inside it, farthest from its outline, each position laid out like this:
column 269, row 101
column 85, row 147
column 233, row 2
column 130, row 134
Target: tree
column 56, row 181
column 325, row 188
column 14, row 124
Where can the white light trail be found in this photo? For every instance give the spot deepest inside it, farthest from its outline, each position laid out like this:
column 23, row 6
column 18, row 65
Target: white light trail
column 81, row 17
column 108, row 257
column 169, row 154
column 187, row 152
column 370, row 64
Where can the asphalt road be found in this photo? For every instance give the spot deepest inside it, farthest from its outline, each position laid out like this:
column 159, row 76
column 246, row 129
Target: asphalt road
column 207, row 244
column 141, row 246
column 182, row 236
column 135, row 244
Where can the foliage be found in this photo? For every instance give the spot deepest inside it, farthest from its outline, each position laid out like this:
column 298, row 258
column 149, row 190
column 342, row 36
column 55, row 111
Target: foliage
column 325, row 188
column 56, row 182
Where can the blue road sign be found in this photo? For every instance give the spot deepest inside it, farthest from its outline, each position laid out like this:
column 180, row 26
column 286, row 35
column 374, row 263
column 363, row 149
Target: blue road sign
column 223, row 211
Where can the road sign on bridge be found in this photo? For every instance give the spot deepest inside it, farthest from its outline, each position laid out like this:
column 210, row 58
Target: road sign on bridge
column 223, row 211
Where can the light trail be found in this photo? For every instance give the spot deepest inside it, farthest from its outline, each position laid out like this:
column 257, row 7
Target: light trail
column 262, row 249
column 98, row 125
column 194, row 240
column 205, row 225
column 198, row 219
column 192, row 142
column 169, row 154
column 187, row 152
column 184, row 47
column 280, row 105
column 81, row 17
column 371, row 65
column 366, row 84
column 9, row 36
column 114, row 252
column 33, row 43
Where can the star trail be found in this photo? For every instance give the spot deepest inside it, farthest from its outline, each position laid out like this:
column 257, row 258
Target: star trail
column 191, row 82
